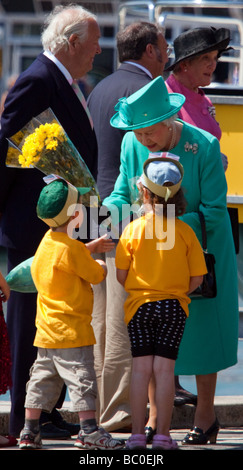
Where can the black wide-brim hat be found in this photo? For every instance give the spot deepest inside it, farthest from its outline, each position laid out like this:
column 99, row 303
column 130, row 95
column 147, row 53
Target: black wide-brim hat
column 199, row 41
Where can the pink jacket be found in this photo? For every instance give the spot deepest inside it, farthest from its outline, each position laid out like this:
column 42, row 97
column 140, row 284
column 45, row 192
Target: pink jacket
column 197, row 110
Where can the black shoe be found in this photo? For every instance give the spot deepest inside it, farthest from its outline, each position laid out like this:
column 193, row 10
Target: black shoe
column 184, row 398
column 72, row 428
column 50, row 431
column 149, row 433
column 57, row 419
column 197, row 437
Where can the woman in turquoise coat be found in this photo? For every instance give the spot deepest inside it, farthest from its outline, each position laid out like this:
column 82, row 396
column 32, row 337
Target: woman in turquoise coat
column 210, row 338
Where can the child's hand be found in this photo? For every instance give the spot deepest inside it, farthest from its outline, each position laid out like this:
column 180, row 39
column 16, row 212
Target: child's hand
column 103, row 265
column 101, row 245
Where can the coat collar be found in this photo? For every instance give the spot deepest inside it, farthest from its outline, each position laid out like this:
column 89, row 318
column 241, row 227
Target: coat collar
column 134, row 68
column 72, row 108
column 67, row 95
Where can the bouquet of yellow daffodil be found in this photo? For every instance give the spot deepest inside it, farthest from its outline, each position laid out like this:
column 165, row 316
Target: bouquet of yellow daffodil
column 44, row 144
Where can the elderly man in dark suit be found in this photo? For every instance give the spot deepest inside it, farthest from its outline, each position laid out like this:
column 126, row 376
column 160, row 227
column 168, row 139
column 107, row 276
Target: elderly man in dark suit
column 70, row 40
column 142, row 51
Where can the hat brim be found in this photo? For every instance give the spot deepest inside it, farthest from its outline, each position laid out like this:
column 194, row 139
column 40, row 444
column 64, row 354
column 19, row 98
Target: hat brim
column 176, row 102
column 62, row 217
column 162, row 191
column 219, row 46
column 82, row 191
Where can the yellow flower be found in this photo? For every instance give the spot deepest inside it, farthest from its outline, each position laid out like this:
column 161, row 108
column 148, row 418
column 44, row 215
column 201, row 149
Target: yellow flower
column 52, row 145
column 47, row 137
column 47, row 148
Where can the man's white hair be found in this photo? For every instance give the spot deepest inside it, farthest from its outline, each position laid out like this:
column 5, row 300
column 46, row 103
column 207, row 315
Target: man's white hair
column 61, row 23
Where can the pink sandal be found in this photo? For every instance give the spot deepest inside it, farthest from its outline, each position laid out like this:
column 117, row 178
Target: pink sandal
column 136, row 441
column 160, row 441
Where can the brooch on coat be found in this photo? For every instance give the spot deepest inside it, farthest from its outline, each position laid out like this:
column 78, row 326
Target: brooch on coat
column 191, row 148
column 212, row 111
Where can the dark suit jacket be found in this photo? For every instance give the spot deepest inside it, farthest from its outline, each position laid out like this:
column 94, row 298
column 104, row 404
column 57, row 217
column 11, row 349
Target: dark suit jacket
column 125, row 81
column 41, row 86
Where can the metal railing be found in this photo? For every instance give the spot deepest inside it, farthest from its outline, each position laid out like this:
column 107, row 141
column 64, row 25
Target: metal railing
column 177, row 16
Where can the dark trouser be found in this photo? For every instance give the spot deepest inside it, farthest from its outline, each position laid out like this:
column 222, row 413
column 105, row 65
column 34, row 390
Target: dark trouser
column 21, row 312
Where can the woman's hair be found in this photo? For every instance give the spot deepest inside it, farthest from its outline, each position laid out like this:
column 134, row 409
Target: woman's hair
column 61, row 23
column 179, row 67
column 132, row 41
column 168, row 122
column 178, row 200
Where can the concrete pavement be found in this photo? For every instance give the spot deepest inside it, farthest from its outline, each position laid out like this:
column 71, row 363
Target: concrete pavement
column 64, row 455
column 229, row 411
column 228, row 439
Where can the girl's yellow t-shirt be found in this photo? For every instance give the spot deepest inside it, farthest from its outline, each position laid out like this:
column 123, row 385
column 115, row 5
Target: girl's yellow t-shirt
column 156, row 269
column 63, row 271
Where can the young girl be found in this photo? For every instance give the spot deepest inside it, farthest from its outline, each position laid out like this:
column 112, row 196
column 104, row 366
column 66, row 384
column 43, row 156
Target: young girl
column 158, row 276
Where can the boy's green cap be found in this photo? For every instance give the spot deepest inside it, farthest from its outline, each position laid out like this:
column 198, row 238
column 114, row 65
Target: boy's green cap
column 54, row 201
column 147, row 106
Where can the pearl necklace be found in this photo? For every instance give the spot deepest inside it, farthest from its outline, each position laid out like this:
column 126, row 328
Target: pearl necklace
column 173, row 136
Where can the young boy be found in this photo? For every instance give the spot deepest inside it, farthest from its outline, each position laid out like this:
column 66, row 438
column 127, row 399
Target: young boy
column 62, row 271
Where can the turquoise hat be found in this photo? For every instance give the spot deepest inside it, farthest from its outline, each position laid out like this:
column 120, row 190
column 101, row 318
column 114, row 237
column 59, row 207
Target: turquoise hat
column 147, row 106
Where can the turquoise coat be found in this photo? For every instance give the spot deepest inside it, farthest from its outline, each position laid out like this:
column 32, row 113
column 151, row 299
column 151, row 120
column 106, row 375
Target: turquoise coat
column 210, row 338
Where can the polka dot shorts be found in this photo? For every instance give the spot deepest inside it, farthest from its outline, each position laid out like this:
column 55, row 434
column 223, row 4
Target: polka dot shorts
column 157, row 329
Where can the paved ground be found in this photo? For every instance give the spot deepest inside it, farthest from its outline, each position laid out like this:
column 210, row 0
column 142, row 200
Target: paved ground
column 229, row 411
column 228, row 439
